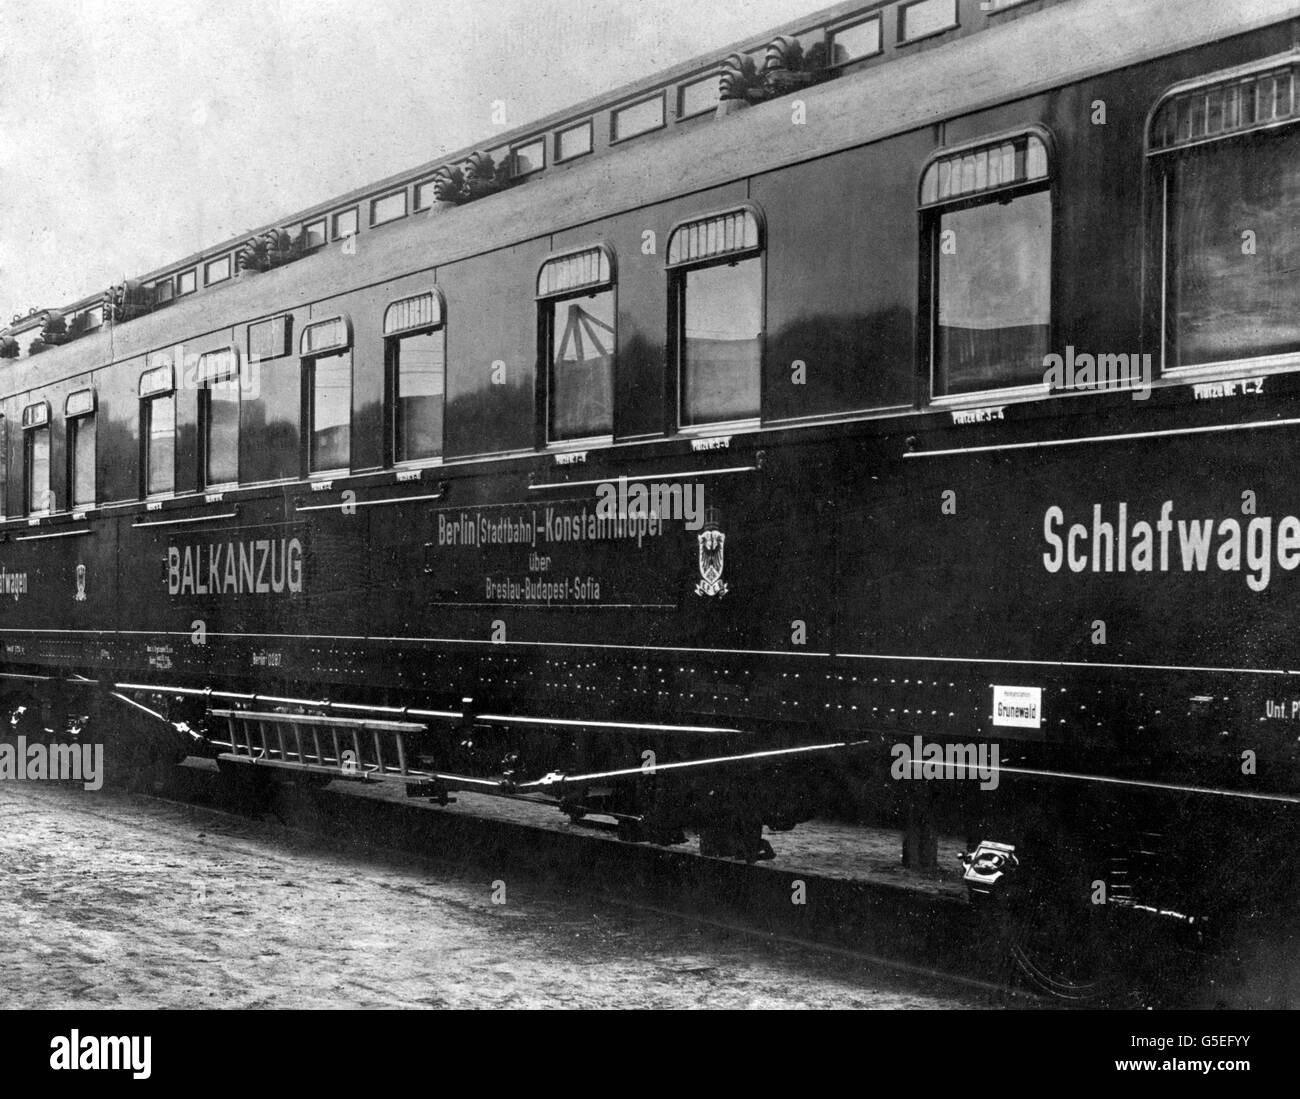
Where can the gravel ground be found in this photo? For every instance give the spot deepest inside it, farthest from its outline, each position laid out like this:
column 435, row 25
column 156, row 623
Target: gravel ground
column 120, row 901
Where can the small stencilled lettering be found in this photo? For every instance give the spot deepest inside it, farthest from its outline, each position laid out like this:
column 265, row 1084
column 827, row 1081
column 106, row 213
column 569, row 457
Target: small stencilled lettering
column 1242, row 387
column 721, row 442
column 978, row 415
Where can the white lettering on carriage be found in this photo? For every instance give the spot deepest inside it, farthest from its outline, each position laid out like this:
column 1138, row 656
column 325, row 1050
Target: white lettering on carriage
column 255, row 567
column 1117, row 544
column 13, row 583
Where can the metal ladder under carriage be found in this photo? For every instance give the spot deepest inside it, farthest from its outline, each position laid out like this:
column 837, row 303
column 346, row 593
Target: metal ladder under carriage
column 341, row 747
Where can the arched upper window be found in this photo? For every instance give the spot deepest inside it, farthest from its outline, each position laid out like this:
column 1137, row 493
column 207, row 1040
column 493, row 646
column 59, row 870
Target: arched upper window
column 323, row 336
column 416, row 312
column 416, row 354
column 716, row 267
column 1224, row 152
column 986, row 213
column 717, row 236
column 576, row 307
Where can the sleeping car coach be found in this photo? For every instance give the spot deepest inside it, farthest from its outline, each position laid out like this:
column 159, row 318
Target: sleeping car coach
column 781, row 435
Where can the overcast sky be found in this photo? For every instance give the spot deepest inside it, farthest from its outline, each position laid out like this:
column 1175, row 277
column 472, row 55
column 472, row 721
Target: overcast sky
column 132, row 134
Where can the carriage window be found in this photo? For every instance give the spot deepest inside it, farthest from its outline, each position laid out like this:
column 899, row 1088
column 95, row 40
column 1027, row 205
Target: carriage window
column 79, row 416
column 698, row 96
column 313, row 234
column 922, row 18
column 81, row 457
column 345, row 224
column 526, row 159
column 158, row 429
column 38, row 495
column 269, row 339
column 576, row 303
column 160, row 455
column 389, row 208
column 1227, row 163
column 988, row 215
column 327, row 380
column 217, row 270
column 716, row 268
column 38, row 471
column 329, row 385
column 417, row 371
column 219, row 416
column 575, row 141
column 855, row 42
column 639, row 118
column 185, row 283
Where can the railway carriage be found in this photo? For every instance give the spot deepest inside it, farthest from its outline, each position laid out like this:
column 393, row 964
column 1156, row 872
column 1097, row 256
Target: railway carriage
column 744, row 444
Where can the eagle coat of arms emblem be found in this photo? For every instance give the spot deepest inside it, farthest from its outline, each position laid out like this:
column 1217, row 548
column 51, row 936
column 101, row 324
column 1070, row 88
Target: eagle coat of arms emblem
column 712, row 548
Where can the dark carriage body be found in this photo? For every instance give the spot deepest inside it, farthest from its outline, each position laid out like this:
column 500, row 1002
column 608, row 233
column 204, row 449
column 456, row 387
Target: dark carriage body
column 888, row 569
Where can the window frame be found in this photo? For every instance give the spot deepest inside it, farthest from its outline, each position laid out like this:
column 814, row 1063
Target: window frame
column 208, row 280
column 539, row 142
column 676, row 272
column 307, row 367
column 30, row 426
column 833, row 31
column 546, row 344
column 168, row 282
column 287, row 318
column 417, row 193
column 193, row 275
column 406, row 207
column 74, row 422
column 901, row 17
column 391, row 367
column 205, row 414
column 590, row 126
column 335, row 235
column 660, row 95
column 930, row 214
column 165, row 391
column 1159, row 230
column 681, row 112
column 307, row 226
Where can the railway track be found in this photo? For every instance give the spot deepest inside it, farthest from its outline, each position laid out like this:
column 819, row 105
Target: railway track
column 901, row 927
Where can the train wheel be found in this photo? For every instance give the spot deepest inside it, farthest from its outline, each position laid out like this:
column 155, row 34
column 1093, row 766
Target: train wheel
column 1041, row 919
column 1077, row 958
